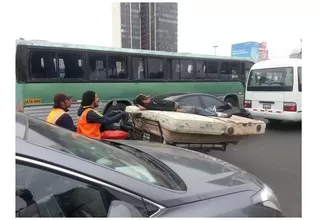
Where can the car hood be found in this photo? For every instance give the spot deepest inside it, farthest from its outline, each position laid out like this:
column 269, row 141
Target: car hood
column 204, row 175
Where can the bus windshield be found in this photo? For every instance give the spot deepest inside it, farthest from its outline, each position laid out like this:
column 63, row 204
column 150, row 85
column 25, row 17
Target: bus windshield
column 273, row 79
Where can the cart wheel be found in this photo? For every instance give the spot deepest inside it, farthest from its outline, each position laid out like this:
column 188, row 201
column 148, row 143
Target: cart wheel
column 224, row 148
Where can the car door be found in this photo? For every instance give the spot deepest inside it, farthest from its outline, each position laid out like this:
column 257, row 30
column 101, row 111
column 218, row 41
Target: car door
column 44, row 190
column 192, row 100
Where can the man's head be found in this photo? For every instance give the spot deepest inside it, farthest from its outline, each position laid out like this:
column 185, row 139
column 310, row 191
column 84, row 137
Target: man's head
column 62, row 100
column 143, row 100
column 90, row 98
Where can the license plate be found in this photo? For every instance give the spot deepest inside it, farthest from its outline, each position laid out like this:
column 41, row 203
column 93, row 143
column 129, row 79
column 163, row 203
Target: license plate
column 266, row 106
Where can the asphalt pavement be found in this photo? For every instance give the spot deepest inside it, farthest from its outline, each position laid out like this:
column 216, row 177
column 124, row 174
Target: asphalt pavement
column 275, row 158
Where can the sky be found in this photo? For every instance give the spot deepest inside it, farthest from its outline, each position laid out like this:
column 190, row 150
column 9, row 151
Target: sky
column 201, row 24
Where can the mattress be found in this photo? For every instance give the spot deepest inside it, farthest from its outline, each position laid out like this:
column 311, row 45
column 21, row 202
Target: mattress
column 196, row 124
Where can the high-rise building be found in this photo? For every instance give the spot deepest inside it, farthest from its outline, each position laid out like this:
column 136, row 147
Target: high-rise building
column 150, row 26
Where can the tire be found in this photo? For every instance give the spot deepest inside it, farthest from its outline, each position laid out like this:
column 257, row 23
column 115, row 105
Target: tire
column 232, row 101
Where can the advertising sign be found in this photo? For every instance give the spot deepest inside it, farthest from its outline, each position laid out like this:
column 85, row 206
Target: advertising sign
column 245, row 50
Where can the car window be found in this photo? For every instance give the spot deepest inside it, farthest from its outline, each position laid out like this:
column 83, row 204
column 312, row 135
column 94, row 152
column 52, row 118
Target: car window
column 211, row 101
column 118, row 158
column 43, row 193
column 190, row 100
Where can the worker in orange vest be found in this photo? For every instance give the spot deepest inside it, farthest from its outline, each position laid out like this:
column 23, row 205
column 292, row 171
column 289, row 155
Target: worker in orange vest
column 59, row 114
column 90, row 120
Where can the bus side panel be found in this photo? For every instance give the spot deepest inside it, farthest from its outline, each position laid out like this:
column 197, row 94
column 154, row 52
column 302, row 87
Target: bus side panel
column 128, row 90
column 38, row 97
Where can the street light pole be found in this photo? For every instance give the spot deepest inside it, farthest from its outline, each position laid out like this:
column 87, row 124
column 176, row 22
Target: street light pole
column 215, row 49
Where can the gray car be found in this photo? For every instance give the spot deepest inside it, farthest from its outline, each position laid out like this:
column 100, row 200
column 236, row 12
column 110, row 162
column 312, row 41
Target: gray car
column 62, row 174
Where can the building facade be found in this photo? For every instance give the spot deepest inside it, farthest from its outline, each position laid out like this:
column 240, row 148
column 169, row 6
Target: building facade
column 149, row 26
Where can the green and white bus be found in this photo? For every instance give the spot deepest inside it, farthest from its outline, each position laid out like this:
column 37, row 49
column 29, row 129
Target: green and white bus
column 117, row 74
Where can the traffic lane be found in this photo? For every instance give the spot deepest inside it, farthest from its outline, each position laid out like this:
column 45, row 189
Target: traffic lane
column 275, row 158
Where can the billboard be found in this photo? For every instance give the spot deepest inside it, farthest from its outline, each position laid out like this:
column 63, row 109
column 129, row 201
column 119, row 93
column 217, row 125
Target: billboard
column 246, row 50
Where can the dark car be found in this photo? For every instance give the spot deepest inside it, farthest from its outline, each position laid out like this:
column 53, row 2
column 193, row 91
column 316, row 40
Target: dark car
column 62, row 174
column 204, row 100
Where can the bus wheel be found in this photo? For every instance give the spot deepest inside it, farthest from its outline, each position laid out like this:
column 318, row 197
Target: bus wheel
column 232, row 101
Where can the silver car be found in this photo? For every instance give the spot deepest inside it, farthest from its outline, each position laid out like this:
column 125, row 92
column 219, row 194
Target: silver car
column 62, row 174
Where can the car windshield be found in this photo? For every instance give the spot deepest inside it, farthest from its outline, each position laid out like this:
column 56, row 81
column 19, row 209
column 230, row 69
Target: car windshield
column 111, row 156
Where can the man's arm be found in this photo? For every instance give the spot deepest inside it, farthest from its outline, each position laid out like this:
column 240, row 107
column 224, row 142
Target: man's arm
column 94, row 116
column 66, row 121
column 141, row 108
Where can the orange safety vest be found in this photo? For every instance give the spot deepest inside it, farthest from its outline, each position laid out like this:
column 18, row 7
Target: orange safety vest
column 54, row 115
column 91, row 130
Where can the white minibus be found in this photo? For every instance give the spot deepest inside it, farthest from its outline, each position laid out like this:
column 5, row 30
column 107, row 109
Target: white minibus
column 273, row 90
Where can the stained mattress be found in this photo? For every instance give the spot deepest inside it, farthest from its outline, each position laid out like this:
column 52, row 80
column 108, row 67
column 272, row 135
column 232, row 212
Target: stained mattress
column 195, row 124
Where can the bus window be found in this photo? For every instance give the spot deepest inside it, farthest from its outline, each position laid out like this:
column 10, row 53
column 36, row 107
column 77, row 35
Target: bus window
column 273, row 79
column 212, row 70
column 138, row 68
column 201, row 70
column 42, row 65
column 225, row 71
column 70, row 65
column 117, row 67
column 97, row 66
column 155, row 68
column 175, row 69
column 234, row 70
column 300, row 78
column 186, row 68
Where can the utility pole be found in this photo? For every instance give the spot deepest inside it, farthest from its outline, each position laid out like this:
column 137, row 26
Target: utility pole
column 215, row 49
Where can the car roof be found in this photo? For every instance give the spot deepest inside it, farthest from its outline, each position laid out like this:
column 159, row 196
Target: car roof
column 36, row 151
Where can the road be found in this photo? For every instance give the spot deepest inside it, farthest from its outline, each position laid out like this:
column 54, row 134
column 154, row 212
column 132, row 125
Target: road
column 275, row 158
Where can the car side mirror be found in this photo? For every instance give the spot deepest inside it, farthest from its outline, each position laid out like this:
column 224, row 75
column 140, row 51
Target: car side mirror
column 121, row 209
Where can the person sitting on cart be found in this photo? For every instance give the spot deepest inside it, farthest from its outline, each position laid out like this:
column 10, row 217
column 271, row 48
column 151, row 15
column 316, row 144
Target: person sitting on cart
column 91, row 120
column 144, row 102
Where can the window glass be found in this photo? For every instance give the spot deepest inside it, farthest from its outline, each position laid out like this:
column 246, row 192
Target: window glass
column 201, row 70
column 225, row 71
column 191, row 100
column 44, row 193
column 175, row 69
column 117, row 67
column 105, row 154
column 209, row 101
column 70, row 65
column 234, row 70
column 186, row 68
column 155, row 68
column 274, row 79
column 212, row 70
column 42, row 65
column 138, row 68
column 97, row 66
column 40, row 193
